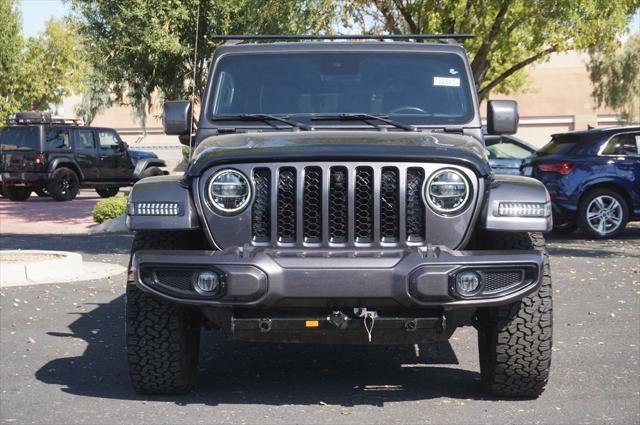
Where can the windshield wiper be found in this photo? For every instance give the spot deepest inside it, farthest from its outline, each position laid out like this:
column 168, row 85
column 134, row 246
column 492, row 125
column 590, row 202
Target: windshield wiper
column 264, row 117
column 365, row 117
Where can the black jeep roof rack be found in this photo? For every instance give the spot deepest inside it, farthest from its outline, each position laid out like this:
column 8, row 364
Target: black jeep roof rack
column 292, row 37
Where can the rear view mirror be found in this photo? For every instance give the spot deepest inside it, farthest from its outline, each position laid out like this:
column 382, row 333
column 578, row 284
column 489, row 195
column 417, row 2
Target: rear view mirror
column 176, row 118
column 502, row 117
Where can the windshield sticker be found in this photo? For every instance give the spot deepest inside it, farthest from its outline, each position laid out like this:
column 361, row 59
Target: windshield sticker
column 446, row 81
column 638, row 143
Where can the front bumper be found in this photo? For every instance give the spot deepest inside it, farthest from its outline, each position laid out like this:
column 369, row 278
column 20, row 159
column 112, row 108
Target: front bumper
column 15, row 178
column 286, row 278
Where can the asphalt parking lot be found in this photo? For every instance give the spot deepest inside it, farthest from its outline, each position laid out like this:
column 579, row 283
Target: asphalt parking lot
column 62, row 358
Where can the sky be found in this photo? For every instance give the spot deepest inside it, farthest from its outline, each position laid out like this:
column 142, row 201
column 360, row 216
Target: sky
column 36, row 12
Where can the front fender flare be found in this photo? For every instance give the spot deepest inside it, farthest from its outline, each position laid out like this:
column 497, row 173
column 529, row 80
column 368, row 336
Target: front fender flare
column 516, row 189
column 161, row 203
column 66, row 162
column 144, row 163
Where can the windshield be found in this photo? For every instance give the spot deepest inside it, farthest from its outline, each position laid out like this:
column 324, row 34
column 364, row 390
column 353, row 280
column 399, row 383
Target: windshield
column 19, row 138
column 419, row 88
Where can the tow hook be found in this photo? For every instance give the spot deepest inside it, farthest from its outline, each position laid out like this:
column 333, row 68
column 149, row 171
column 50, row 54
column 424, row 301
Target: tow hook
column 338, row 319
column 369, row 318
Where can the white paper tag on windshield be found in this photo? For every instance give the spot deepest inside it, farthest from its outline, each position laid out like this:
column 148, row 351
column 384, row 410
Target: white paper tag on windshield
column 446, row 81
column 638, row 144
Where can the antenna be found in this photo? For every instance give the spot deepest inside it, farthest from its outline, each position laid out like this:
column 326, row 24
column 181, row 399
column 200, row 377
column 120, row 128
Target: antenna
column 193, row 87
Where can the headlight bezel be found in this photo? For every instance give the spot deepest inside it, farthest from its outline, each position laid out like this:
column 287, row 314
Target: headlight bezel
column 426, row 193
column 215, row 207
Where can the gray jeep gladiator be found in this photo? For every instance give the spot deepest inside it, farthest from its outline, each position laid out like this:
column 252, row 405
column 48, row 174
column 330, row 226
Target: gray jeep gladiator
column 339, row 192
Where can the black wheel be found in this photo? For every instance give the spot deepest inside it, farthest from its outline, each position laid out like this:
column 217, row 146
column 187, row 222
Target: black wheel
column 64, row 184
column 514, row 340
column 603, row 213
column 162, row 338
column 150, row 172
column 565, row 228
column 107, row 192
column 42, row 192
column 17, row 194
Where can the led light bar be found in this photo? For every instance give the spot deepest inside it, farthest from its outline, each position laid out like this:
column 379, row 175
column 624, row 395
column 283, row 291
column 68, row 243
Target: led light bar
column 524, row 209
column 155, row 208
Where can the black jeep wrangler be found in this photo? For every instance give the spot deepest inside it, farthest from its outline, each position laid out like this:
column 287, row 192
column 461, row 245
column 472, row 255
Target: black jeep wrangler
column 58, row 157
column 339, row 193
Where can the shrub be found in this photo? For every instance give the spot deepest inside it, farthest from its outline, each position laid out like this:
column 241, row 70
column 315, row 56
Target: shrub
column 109, row 208
column 185, row 153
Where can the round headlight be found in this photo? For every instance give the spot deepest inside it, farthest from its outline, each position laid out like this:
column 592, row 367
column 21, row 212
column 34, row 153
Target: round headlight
column 447, row 191
column 229, row 191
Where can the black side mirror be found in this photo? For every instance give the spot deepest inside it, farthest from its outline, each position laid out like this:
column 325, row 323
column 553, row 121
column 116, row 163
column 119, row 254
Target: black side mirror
column 176, row 118
column 124, row 146
column 502, row 117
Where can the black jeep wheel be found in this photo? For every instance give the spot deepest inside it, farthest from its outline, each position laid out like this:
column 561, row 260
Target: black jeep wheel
column 150, row 172
column 64, row 184
column 515, row 340
column 162, row 338
column 107, row 192
column 17, row 194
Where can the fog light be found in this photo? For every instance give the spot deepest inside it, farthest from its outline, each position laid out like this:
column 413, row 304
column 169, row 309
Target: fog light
column 467, row 283
column 207, row 283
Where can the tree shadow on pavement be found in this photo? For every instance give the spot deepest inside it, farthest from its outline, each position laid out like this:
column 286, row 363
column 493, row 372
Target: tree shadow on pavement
column 274, row 374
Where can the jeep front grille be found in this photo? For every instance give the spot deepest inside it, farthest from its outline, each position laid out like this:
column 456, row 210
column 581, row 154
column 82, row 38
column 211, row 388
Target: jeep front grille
column 340, row 206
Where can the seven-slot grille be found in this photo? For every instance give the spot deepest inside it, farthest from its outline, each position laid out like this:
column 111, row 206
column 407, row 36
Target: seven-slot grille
column 334, row 205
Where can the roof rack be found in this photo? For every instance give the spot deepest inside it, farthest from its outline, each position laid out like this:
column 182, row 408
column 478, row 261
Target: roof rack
column 291, row 37
column 36, row 117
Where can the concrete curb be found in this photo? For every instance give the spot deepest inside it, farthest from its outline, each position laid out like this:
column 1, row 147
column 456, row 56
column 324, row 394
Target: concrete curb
column 58, row 268
column 69, row 267
column 116, row 225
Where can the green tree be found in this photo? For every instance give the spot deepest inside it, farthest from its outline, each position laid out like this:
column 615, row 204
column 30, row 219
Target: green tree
column 616, row 78
column 510, row 34
column 39, row 71
column 10, row 55
column 147, row 46
column 52, row 67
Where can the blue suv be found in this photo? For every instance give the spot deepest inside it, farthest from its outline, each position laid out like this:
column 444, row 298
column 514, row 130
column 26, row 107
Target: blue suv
column 593, row 178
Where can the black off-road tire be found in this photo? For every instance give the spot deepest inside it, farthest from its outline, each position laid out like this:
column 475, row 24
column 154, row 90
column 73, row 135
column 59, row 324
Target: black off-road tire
column 17, row 194
column 162, row 338
column 64, row 184
column 150, row 172
column 515, row 340
column 107, row 192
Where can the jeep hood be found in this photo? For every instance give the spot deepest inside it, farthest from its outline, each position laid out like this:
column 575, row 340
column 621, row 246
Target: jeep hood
column 313, row 146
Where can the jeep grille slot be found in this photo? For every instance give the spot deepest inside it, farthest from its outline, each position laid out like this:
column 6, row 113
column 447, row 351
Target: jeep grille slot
column 287, row 205
column 312, row 205
column 261, row 212
column 389, row 205
column 364, row 205
column 338, row 205
column 415, row 205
